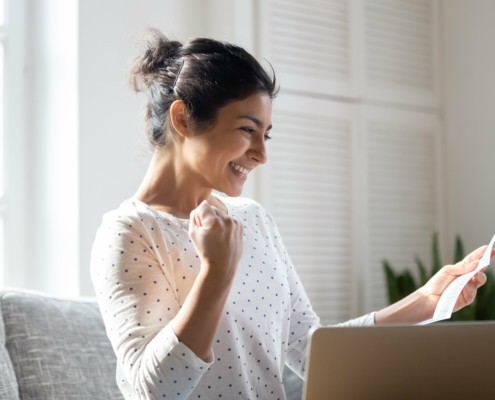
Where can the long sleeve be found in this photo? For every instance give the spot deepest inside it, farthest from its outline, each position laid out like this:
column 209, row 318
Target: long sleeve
column 365, row 320
column 303, row 319
column 143, row 267
column 138, row 296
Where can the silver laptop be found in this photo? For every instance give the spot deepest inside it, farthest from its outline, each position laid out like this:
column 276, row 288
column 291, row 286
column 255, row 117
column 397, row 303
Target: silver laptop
column 439, row 361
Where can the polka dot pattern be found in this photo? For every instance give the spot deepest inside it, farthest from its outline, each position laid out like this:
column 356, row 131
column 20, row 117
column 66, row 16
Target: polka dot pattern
column 143, row 266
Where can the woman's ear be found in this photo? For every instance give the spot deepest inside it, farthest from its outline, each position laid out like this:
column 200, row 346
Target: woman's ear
column 178, row 118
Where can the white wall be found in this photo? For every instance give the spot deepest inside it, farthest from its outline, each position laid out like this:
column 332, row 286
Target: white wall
column 469, row 69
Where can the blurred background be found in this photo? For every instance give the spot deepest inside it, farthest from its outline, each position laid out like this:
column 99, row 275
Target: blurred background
column 384, row 131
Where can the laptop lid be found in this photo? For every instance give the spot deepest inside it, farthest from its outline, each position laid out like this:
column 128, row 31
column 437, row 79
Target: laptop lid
column 439, row 361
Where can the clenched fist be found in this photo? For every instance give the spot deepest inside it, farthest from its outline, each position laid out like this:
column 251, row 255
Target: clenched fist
column 217, row 239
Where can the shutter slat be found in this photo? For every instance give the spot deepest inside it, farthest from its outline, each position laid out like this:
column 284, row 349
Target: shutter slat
column 310, row 37
column 310, row 191
column 399, row 43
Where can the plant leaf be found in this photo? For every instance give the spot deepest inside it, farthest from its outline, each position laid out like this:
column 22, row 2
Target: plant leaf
column 423, row 275
column 459, row 249
column 465, row 314
column 406, row 284
column 392, row 282
column 437, row 263
column 485, row 299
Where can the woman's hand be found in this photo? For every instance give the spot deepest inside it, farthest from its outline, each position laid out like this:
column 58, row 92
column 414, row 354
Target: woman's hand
column 421, row 304
column 217, row 239
column 434, row 288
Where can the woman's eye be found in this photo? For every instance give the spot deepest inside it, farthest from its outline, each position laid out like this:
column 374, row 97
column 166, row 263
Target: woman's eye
column 248, row 130
column 251, row 131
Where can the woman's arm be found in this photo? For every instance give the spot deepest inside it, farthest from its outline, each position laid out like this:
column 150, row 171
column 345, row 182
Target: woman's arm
column 420, row 305
column 138, row 293
column 218, row 242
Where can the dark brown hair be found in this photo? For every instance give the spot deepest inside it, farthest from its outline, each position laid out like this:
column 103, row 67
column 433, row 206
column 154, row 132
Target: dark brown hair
column 205, row 74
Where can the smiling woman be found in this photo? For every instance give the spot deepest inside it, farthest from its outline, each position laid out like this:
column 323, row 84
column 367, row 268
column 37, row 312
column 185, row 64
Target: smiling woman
column 208, row 113
column 197, row 291
column 176, row 287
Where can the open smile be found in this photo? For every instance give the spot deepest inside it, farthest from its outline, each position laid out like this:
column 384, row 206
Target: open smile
column 239, row 169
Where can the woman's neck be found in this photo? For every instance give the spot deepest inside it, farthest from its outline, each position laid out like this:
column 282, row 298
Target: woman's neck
column 167, row 187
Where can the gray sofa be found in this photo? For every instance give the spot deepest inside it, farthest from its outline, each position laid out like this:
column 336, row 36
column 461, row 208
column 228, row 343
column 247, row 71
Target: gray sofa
column 53, row 348
column 57, row 349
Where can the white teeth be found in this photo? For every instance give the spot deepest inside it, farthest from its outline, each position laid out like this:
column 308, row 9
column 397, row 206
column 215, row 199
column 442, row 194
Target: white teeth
column 242, row 170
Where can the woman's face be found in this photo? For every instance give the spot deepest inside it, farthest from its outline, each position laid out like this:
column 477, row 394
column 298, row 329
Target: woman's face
column 224, row 155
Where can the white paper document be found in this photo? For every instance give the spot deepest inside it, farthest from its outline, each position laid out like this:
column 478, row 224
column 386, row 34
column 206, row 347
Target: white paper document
column 449, row 297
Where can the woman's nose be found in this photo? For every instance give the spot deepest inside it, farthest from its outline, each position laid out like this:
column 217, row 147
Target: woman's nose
column 258, row 151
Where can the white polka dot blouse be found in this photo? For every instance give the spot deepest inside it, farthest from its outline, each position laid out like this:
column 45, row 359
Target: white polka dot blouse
column 143, row 265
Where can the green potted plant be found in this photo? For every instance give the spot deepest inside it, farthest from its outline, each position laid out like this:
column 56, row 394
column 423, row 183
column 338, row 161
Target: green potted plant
column 400, row 284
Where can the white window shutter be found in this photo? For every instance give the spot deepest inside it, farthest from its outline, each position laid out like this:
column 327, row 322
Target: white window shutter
column 308, row 43
column 401, row 47
column 403, row 194
column 309, row 184
column 355, row 170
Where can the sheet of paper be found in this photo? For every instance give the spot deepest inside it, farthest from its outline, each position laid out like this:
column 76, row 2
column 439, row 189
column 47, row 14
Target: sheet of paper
column 449, row 297
column 485, row 260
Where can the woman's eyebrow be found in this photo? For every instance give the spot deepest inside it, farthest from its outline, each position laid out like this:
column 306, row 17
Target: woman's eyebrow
column 258, row 123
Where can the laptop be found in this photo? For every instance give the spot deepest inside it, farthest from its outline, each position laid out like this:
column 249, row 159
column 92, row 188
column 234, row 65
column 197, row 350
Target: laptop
column 438, row 361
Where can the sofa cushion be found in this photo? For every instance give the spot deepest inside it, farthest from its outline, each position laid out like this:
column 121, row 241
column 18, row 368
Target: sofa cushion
column 8, row 382
column 58, row 347
column 293, row 384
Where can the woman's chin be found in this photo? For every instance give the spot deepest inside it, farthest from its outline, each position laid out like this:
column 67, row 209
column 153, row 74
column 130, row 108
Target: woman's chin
column 232, row 191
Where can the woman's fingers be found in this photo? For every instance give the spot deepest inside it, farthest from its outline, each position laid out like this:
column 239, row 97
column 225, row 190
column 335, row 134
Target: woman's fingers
column 475, row 255
column 204, row 215
column 469, row 262
column 216, row 236
column 480, row 279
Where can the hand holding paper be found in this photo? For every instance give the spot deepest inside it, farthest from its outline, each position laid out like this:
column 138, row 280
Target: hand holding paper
column 450, row 295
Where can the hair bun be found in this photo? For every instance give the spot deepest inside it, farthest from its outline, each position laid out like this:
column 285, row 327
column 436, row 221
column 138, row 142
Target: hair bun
column 158, row 54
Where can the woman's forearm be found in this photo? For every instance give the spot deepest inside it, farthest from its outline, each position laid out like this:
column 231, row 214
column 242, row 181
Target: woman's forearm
column 197, row 321
column 411, row 309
